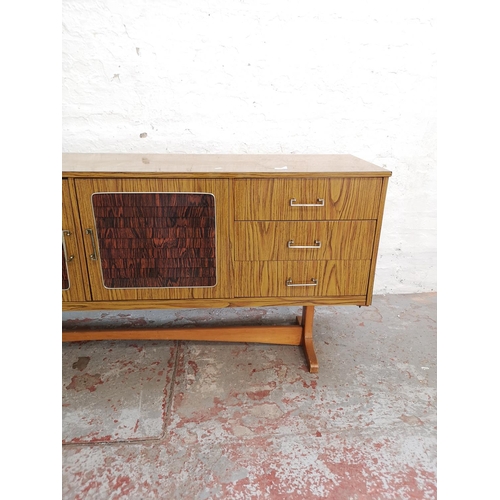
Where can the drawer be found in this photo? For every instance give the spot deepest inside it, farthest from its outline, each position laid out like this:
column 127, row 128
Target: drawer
column 333, row 278
column 335, row 240
column 307, row 199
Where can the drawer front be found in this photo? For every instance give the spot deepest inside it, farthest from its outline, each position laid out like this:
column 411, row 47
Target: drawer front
column 336, row 240
column 333, row 278
column 307, row 199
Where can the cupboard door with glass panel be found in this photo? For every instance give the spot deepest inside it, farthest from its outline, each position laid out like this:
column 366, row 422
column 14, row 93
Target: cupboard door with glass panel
column 73, row 282
column 148, row 239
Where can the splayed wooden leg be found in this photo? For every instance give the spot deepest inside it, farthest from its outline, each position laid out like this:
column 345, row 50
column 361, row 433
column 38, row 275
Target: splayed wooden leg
column 306, row 320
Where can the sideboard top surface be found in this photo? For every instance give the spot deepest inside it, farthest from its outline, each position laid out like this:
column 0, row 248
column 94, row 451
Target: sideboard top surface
column 217, row 165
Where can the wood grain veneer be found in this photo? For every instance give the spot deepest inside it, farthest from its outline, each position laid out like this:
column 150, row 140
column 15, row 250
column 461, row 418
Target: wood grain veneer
column 334, row 277
column 269, row 199
column 122, row 305
column 337, row 240
column 74, row 286
column 217, row 165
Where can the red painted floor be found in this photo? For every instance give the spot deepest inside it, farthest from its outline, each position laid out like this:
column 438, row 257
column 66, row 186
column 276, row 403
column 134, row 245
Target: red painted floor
column 194, row 420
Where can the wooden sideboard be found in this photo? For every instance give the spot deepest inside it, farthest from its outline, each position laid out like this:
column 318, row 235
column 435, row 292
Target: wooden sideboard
column 160, row 231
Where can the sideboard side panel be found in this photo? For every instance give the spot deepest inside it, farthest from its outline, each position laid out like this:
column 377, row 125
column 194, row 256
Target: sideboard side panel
column 383, row 194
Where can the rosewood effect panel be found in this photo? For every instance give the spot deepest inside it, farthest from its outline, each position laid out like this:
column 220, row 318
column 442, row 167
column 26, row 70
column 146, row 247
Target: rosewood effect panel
column 156, row 240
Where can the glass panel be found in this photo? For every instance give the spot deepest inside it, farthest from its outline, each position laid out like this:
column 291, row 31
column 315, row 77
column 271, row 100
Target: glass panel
column 65, row 276
column 156, row 240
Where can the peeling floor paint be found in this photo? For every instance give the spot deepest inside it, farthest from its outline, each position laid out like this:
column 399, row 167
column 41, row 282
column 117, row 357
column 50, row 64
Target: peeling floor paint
column 203, row 420
column 115, row 391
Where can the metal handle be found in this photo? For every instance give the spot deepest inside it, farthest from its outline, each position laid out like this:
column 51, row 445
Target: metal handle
column 317, row 244
column 71, row 257
column 290, row 283
column 93, row 255
column 320, row 203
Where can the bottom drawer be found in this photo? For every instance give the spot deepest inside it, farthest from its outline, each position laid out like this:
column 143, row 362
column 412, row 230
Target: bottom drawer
column 301, row 279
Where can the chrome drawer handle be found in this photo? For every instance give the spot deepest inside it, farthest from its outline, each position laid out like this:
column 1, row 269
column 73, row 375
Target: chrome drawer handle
column 71, row 257
column 93, row 255
column 290, row 283
column 320, row 203
column 317, row 244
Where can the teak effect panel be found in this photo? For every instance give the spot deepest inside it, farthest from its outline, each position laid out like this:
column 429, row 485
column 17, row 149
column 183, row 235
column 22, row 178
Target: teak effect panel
column 334, row 278
column 73, row 282
column 342, row 199
column 332, row 240
column 156, row 240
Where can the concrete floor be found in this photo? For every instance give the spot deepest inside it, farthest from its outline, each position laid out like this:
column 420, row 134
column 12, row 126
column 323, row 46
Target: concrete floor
column 195, row 420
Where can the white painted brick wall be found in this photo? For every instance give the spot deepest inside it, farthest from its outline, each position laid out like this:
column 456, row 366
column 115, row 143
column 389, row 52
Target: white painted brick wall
column 253, row 76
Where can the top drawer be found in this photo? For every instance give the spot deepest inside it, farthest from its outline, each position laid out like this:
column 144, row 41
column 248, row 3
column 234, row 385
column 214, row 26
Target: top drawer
column 307, row 199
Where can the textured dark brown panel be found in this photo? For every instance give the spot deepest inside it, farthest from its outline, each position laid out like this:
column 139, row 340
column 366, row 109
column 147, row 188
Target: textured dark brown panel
column 65, row 277
column 156, row 240
column 183, row 211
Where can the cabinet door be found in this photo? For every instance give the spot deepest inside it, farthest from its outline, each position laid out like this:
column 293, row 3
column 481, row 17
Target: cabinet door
column 73, row 287
column 150, row 239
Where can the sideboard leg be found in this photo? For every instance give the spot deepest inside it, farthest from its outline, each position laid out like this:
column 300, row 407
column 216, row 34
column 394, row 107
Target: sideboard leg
column 307, row 338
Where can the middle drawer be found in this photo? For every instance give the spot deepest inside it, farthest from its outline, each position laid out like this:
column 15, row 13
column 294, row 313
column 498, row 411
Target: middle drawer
column 333, row 240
